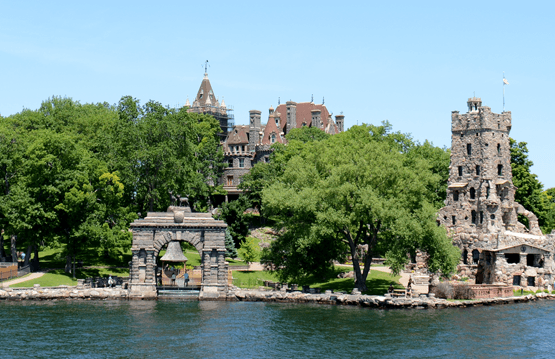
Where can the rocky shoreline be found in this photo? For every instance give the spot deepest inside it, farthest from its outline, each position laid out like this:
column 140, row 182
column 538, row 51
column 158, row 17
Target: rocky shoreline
column 370, row 301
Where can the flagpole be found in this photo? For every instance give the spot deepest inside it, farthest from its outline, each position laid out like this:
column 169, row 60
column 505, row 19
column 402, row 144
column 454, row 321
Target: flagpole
column 503, row 91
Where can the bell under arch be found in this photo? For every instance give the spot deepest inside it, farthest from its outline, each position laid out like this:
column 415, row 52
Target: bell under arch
column 158, row 229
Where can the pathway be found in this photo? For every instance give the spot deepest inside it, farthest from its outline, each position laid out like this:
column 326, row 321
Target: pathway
column 31, row 276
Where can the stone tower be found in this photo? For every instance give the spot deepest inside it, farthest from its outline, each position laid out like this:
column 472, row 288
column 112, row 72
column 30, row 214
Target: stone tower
column 316, row 118
column 340, row 120
column 480, row 211
column 254, row 129
column 291, row 116
column 480, row 192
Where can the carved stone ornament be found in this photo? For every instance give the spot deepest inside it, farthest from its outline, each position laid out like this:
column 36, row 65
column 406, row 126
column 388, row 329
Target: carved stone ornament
column 178, row 216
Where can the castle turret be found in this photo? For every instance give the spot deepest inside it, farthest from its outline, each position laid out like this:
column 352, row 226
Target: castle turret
column 254, row 129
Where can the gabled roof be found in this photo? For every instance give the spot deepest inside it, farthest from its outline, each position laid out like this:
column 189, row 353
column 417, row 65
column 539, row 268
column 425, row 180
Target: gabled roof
column 272, row 128
column 238, row 135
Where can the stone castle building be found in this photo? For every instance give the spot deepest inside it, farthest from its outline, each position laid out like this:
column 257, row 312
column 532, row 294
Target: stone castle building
column 246, row 145
column 480, row 210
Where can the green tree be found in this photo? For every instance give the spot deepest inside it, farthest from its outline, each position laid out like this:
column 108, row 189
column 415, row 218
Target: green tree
column 230, row 250
column 355, row 189
column 161, row 149
column 529, row 188
column 249, row 251
column 233, row 213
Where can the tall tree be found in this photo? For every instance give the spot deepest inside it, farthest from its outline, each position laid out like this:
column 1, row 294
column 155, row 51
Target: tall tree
column 161, row 149
column 356, row 189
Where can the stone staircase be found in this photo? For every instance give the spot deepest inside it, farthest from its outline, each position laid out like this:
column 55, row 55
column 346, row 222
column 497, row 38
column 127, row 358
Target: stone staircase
column 192, row 294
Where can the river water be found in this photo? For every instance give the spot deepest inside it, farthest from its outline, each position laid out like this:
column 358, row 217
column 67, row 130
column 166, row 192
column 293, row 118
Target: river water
column 191, row 329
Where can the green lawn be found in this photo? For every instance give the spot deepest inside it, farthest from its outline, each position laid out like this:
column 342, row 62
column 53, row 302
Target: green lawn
column 59, row 277
column 377, row 282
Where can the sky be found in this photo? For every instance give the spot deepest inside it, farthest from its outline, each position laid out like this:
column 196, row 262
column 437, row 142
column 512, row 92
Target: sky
column 410, row 63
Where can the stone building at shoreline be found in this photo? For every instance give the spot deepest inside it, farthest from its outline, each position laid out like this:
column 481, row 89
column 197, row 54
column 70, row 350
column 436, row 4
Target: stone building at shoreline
column 480, row 211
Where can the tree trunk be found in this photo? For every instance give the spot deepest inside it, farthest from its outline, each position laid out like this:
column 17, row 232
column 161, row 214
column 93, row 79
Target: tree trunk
column 27, row 255
column 68, row 264
column 2, row 251
column 35, row 264
column 13, row 248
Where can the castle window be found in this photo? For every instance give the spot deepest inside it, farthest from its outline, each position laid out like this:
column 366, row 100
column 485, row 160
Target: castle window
column 241, row 162
column 487, row 192
column 531, row 281
column 230, row 181
column 477, row 170
column 473, row 217
column 460, row 171
column 465, row 256
column 481, row 217
column 472, row 193
column 230, row 163
column 469, row 149
column 453, row 219
column 516, row 280
column 243, row 148
column 273, row 138
column 498, row 149
column 475, row 256
column 277, row 121
column 455, row 195
column 512, row 258
column 500, row 170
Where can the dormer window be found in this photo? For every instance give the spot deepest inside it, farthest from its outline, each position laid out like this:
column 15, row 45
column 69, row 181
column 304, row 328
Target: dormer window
column 273, row 138
column 277, row 121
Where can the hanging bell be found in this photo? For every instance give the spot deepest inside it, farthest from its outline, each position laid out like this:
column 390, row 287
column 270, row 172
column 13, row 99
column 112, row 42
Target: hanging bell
column 174, row 253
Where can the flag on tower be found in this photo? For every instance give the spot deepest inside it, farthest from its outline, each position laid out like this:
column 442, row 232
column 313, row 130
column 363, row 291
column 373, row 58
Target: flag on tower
column 505, row 81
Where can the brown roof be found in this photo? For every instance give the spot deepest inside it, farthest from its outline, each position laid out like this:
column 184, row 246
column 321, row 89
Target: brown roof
column 304, row 113
column 270, row 128
column 206, row 90
column 238, row 135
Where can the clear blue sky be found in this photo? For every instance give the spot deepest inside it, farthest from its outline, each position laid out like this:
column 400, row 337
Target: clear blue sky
column 411, row 63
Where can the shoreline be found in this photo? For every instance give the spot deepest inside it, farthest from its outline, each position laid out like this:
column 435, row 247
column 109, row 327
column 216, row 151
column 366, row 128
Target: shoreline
column 251, row 295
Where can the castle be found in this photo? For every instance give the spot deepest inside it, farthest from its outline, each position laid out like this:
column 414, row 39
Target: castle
column 480, row 210
column 246, row 145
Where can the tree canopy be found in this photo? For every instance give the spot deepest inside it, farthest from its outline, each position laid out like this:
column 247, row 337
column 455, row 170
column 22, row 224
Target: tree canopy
column 367, row 188
column 75, row 175
column 529, row 190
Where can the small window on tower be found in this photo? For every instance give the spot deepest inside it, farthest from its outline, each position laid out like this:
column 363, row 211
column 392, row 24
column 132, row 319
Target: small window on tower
column 498, row 148
column 241, row 162
column 460, row 171
column 500, row 170
column 455, row 195
column 481, row 217
column 453, row 219
column 477, row 170
column 473, row 217
column 472, row 193
column 469, row 149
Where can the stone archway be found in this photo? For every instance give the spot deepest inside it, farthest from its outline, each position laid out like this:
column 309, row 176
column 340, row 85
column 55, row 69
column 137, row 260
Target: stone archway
column 157, row 229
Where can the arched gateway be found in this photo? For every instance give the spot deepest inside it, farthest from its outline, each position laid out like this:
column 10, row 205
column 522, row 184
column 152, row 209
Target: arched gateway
column 178, row 224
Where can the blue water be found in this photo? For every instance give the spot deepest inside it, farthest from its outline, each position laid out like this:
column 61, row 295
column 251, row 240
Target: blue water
column 178, row 329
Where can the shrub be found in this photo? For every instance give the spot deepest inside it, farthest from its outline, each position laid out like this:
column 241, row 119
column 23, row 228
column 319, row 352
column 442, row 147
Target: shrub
column 462, row 291
column 444, row 290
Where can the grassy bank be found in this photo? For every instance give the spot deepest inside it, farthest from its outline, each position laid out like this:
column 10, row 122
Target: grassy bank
column 377, row 282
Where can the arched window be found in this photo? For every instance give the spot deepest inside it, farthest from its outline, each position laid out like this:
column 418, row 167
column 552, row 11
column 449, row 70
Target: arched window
column 465, row 256
column 498, row 148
